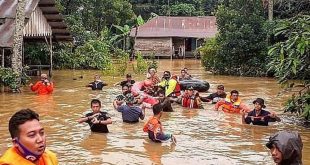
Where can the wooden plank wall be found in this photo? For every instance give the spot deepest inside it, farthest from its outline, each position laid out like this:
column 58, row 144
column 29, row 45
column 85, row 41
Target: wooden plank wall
column 159, row 46
column 37, row 25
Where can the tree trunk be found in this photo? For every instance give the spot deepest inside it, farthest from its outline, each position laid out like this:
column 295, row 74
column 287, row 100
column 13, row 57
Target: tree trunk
column 134, row 42
column 270, row 10
column 18, row 37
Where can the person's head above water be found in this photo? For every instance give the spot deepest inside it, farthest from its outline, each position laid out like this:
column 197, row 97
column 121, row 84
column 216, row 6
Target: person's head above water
column 167, row 75
column 220, row 89
column 95, row 105
column 259, row 103
column 97, row 78
column 157, row 109
column 27, row 133
column 286, row 147
column 234, row 94
column 43, row 76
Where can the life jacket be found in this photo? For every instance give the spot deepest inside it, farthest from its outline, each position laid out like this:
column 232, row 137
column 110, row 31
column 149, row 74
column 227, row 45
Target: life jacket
column 189, row 101
column 42, row 89
column 153, row 125
column 12, row 157
column 230, row 107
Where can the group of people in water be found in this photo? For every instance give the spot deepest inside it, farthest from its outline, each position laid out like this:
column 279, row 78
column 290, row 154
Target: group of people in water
column 152, row 93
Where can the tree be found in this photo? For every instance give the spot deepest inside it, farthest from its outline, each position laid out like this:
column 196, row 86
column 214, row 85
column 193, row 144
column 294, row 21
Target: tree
column 138, row 22
column 241, row 38
column 125, row 31
column 290, row 59
column 18, row 38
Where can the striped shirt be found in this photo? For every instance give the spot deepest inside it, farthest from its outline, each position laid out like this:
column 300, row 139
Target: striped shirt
column 130, row 114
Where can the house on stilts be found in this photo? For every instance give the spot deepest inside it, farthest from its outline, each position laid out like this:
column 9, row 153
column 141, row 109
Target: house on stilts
column 173, row 37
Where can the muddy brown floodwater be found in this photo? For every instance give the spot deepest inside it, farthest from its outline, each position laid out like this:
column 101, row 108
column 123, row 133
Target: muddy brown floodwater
column 204, row 136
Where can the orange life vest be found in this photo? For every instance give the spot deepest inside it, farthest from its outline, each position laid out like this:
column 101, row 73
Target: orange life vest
column 230, row 107
column 153, row 124
column 189, row 101
column 12, row 157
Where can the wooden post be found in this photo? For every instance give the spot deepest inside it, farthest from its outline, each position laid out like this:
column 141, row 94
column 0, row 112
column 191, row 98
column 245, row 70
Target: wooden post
column 51, row 57
column 270, row 10
column 2, row 61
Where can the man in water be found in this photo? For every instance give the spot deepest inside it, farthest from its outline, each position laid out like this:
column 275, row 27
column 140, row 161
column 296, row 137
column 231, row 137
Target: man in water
column 168, row 84
column 190, row 99
column 286, row 148
column 130, row 113
column 120, row 99
column 129, row 81
column 97, row 84
column 97, row 119
column 154, row 127
column 164, row 101
column 232, row 103
column 215, row 97
column 29, row 141
column 259, row 116
column 42, row 87
column 184, row 76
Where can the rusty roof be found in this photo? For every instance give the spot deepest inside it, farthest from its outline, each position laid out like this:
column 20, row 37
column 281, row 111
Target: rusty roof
column 49, row 10
column 166, row 26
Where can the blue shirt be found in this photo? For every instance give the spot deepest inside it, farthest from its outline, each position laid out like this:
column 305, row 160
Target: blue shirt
column 261, row 119
column 130, row 114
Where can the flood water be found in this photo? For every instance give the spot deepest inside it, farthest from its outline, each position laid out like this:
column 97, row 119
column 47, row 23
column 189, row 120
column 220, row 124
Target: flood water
column 204, row 136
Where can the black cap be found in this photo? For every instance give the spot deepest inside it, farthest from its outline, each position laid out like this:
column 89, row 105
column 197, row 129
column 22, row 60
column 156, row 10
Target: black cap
column 260, row 101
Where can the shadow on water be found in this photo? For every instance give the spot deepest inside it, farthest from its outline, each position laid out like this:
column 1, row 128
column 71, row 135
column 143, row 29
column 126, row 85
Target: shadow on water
column 204, row 136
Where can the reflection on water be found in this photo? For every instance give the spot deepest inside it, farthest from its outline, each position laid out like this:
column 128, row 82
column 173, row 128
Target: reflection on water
column 204, row 136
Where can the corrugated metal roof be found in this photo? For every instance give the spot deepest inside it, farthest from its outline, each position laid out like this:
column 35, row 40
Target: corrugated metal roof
column 49, row 10
column 164, row 26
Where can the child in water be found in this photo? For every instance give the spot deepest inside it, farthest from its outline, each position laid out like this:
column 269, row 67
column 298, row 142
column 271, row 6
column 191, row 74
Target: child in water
column 154, row 128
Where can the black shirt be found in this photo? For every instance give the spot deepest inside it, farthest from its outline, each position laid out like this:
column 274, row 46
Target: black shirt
column 261, row 119
column 97, row 85
column 98, row 127
column 123, row 83
column 214, row 97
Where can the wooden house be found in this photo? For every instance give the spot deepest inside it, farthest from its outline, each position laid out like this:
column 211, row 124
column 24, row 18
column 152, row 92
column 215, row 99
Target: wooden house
column 173, row 36
column 43, row 23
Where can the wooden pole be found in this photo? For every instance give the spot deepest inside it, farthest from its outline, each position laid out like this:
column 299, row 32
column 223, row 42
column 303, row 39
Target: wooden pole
column 270, row 10
column 51, row 56
column 2, row 62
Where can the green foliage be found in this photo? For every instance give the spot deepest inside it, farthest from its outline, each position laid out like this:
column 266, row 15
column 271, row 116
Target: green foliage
column 300, row 104
column 94, row 54
column 174, row 7
column 208, row 53
column 152, row 63
column 142, row 64
column 118, row 66
column 36, row 53
column 290, row 56
column 183, row 9
column 290, row 8
column 11, row 79
column 241, row 40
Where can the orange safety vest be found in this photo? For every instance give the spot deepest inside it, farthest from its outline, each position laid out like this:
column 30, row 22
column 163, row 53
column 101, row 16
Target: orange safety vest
column 153, row 124
column 230, row 107
column 12, row 157
column 189, row 102
column 42, row 89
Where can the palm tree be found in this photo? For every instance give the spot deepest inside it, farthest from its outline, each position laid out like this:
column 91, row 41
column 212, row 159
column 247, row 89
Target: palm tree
column 125, row 30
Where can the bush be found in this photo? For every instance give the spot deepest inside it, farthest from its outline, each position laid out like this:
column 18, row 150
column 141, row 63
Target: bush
column 208, row 53
column 12, row 79
column 142, row 64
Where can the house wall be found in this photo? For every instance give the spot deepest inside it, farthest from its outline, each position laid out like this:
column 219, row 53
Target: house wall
column 37, row 25
column 159, row 46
